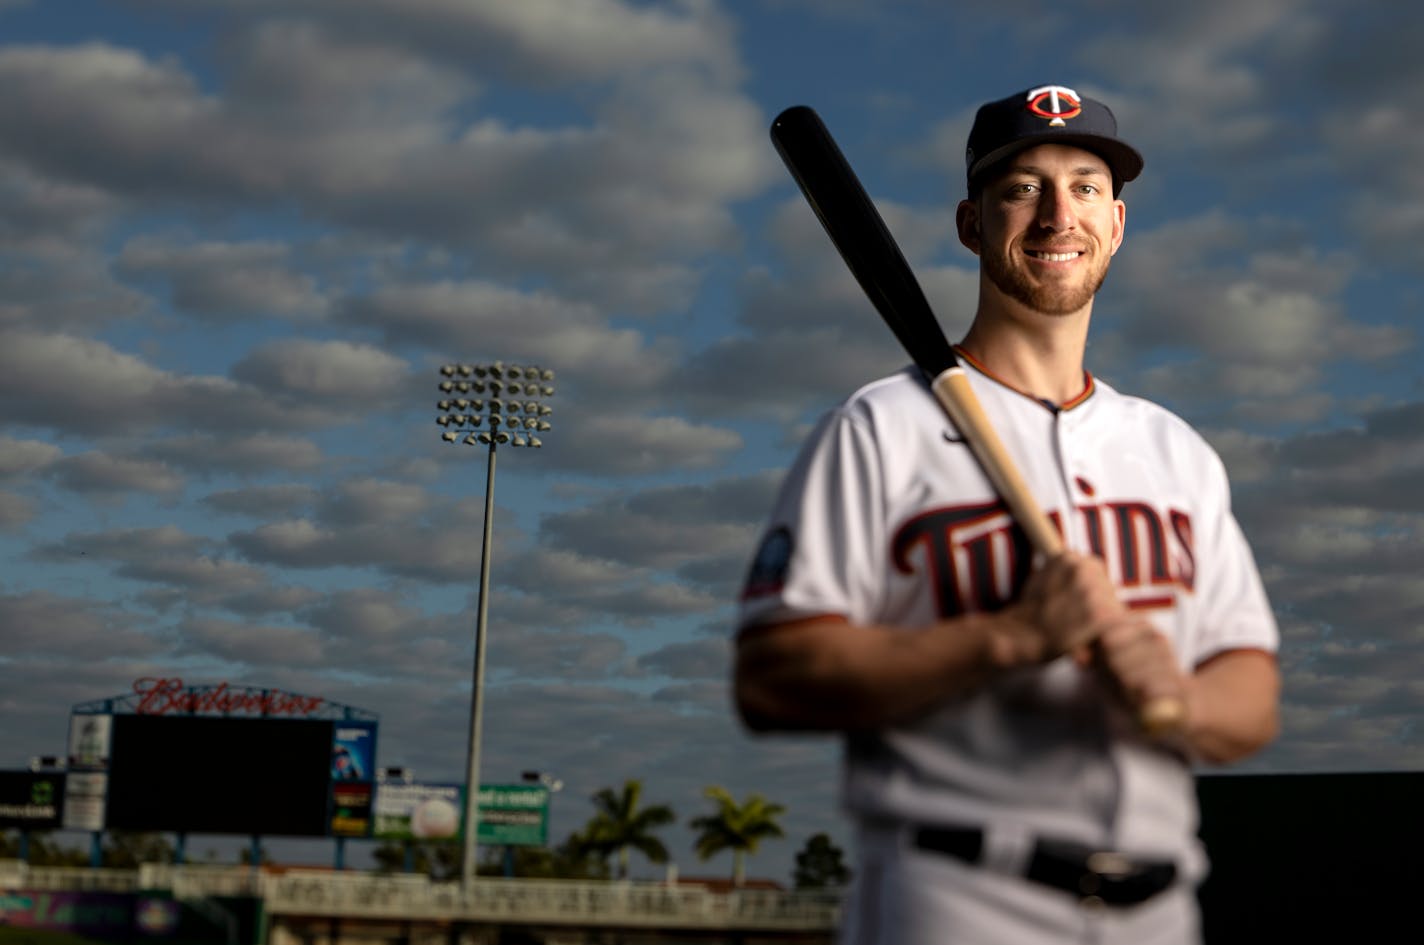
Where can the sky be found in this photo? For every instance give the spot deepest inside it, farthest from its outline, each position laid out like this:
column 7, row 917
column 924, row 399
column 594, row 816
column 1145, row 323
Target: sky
column 238, row 238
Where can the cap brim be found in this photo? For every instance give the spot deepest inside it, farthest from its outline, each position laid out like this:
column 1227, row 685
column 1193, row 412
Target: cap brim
column 1122, row 159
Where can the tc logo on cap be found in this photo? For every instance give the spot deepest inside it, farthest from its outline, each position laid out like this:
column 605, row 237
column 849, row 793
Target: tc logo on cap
column 1054, row 102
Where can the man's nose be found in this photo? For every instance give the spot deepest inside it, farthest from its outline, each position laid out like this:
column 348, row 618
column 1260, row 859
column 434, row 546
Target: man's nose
column 1056, row 211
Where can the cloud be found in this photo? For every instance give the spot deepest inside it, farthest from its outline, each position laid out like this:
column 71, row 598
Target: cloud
column 264, row 501
column 1372, row 464
column 572, row 656
column 562, row 588
column 669, row 526
column 1198, row 83
column 224, row 281
column 47, row 380
column 98, row 474
column 384, row 634
column 360, row 503
column 371, row 524
column 105, row 116
column 706, row 659
column 539, row 41
column 627, row 445
column 359, row 126
column 335, row 374
column 181, row 569
column 132, row 544
column 22, row 458
column 42, row 625
column 1262, row 311
column 38, row 386
column 56, row 273
column 43, row 216
column 15, row 511
column 297, row 543
column 255, row 454
column 539, row 327
column 251, row 645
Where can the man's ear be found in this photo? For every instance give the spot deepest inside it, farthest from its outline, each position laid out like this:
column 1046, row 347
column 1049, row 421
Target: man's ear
column 966, row 220
column 1119, row 225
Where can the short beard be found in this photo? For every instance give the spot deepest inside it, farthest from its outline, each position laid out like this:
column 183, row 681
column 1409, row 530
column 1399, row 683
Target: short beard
column 1049, row 300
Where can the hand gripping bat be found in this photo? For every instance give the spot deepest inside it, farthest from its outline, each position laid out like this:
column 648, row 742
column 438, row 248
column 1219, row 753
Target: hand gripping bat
column 874, row 258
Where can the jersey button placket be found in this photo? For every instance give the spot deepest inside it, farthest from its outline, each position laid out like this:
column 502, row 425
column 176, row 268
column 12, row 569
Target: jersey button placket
column 1067, row 499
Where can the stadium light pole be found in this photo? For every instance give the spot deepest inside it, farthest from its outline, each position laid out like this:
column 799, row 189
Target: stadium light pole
column 501, row 393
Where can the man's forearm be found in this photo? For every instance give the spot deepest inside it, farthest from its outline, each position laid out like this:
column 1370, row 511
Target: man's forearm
column 827, row 674
column 1233, row 706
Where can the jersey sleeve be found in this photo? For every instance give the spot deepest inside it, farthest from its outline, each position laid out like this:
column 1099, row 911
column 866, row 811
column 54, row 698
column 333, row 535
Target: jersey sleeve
column 1235, row 611
column 816, row 554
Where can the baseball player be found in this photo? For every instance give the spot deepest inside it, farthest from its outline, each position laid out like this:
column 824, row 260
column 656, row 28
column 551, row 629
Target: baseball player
column 1002, row 786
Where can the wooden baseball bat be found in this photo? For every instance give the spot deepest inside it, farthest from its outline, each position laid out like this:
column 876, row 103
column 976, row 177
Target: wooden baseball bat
column 874, row 258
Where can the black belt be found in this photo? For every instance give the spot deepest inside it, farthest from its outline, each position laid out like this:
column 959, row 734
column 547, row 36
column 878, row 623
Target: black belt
column 1110, row 878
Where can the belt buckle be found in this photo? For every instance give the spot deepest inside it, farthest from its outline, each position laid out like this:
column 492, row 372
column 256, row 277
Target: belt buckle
column 1109, row 864
column 1111, row 878
column 1100, row 870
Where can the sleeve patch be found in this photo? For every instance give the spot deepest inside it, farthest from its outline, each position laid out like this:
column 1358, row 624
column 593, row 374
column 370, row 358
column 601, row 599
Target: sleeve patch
column 771, row 564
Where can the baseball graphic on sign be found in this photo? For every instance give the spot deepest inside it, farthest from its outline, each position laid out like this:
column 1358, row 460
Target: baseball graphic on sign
column 434, row 819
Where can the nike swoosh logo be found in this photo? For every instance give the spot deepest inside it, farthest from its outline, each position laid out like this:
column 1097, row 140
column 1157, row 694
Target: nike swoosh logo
column 952, row 438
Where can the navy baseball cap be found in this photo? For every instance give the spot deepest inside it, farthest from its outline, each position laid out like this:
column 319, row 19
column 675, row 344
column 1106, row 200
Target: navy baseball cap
column 1048, row 114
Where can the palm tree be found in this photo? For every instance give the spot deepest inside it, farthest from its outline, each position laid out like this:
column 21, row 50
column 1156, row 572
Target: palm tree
column 621, row 825
column 736, row 827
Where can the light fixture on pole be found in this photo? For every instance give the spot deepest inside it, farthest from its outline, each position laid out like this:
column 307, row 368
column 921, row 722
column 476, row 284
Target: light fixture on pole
column 505, row 401
column 544, row 779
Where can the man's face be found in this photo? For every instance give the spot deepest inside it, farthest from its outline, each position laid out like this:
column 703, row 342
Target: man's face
column 1046, row 228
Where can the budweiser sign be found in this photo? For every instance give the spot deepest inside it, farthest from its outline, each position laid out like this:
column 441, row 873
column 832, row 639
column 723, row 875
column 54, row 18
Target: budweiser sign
column 158, row 696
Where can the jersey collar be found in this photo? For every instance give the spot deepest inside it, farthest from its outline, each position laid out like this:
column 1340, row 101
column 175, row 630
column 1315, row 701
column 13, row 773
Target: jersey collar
column 1069, row 404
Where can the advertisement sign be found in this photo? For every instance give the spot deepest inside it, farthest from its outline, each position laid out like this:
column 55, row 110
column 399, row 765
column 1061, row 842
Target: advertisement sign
column 510, row 814
column 85, row 797
column 169, row 696
column 87, row 912
column 419, row 811
column 31, row 801
column 351, row 809
column 219, row 758
column 207, row 774
column 155, row 916
column 353, row 752
column 513, row 814
column 90, row 739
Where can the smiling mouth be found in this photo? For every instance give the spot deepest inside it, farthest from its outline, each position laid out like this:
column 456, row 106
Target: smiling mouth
column 1053, row 257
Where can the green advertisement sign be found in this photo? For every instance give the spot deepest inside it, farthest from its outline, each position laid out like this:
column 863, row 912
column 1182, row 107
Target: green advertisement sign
column 514, row 814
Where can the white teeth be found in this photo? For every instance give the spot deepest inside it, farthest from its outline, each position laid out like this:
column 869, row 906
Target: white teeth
column 1057, row 257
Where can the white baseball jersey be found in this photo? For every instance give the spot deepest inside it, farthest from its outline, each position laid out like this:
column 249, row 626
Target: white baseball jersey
column 886, row 518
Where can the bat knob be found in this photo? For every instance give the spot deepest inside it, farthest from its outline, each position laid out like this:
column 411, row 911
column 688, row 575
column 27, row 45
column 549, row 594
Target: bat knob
column 1163, row 716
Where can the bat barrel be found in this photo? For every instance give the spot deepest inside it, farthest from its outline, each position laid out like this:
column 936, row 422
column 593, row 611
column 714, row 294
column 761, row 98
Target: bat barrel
column 855, row 227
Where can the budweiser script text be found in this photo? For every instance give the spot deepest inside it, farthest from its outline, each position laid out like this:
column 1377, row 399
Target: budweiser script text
column 165, row 696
